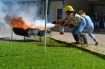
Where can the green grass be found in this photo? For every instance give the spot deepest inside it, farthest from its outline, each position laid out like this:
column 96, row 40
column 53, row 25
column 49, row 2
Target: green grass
column 59, row 55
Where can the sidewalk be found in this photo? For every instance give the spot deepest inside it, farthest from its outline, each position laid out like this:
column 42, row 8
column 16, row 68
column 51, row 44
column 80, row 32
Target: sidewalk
column 67, row 37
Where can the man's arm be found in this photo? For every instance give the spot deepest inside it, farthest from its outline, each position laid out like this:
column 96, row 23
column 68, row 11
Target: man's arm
column 61, row 20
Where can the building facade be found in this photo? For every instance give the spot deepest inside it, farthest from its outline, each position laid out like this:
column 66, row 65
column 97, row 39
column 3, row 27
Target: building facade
column 55, row 7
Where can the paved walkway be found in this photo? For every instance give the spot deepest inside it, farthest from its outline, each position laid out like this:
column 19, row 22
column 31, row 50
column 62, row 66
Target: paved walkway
column 67, row 37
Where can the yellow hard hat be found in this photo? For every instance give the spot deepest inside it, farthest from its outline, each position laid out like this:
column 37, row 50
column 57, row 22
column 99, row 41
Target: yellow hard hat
column 68, row 8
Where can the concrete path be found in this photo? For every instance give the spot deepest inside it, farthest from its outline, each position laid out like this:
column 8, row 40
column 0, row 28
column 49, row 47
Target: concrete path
column 67, row 37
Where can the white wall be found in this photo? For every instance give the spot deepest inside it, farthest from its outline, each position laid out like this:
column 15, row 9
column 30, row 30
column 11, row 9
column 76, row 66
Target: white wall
column 53, row 10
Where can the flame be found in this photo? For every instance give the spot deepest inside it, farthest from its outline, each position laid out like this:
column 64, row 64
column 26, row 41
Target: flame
column 20, row 23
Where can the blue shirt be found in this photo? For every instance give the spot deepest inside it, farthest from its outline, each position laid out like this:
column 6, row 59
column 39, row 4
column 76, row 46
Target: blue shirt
column 89, row 22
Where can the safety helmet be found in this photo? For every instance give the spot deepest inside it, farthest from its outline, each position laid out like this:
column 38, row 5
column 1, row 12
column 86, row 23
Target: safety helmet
column 81, row 12
column 68, row 8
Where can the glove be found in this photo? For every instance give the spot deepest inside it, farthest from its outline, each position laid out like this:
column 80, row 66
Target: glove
column 54, row 22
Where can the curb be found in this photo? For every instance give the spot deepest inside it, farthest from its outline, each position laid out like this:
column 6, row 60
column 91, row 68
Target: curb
column 83, row 49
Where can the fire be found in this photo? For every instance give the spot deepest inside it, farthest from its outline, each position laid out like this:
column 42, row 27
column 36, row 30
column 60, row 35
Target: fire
column 20, row 23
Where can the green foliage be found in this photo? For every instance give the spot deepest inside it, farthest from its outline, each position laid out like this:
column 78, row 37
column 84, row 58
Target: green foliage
column 59, row 55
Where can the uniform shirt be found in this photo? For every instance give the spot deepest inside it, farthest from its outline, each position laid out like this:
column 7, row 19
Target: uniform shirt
column 76, row 19
column 89, row 22
column 79, row 18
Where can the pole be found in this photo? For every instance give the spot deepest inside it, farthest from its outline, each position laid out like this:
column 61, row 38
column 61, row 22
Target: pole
column 45, row 26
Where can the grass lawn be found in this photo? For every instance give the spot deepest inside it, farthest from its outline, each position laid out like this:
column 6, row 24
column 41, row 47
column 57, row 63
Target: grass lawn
column 30, row 55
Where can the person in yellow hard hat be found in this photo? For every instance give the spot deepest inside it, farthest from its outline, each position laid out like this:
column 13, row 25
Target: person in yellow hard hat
column 78, row 22
column 69, row 19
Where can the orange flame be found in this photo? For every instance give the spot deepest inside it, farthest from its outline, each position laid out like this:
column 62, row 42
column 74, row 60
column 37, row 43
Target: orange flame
column 20, row 23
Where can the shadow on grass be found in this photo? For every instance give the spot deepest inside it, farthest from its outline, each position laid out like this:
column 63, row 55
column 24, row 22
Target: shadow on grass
column 81, row 48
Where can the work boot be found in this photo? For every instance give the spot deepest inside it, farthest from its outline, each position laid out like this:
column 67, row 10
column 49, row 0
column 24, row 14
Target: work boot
column 76, row 38
column 84, row 39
